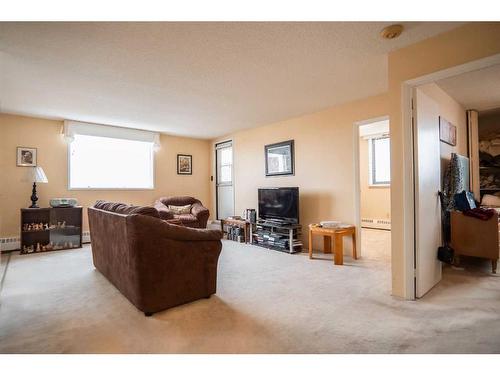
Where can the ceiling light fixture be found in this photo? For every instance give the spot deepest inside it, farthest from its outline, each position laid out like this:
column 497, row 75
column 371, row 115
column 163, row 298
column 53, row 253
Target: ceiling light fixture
column 392, row 31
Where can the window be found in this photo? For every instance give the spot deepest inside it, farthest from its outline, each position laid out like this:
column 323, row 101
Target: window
column 380, row 161
column 224, row 194
column 99, row 162
column 225, row 164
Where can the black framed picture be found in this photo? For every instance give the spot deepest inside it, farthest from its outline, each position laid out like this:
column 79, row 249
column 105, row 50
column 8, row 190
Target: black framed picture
column 280, row 158
column 184, row 164
column 26, row 157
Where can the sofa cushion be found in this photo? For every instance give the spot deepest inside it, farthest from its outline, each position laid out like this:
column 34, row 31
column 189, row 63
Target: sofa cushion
column 125, row 209
column 186, row 218
column 180, row 210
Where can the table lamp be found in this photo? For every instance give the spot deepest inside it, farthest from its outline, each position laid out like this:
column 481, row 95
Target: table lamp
column 36, row 174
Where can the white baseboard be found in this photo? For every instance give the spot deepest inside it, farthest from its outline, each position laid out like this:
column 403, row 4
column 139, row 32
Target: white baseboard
column 10, row 243
column 376, row 223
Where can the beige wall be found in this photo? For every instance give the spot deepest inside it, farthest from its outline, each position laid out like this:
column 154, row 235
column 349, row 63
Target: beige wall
column 452, row 111
column 459, row 46
column 375, row 201
column 52, row 156
column 324, row 164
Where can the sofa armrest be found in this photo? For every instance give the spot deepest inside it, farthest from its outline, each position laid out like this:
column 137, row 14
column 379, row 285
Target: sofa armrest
column 181, row 233
column 172, row 264
column 163, row 211
column 202, row 213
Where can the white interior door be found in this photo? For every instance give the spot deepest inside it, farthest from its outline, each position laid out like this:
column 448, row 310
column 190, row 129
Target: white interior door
column 224, row 180
column 427, row 185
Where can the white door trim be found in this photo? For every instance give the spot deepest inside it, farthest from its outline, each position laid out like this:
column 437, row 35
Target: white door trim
column 408, row 166
column 219, row 145
column 357, row 183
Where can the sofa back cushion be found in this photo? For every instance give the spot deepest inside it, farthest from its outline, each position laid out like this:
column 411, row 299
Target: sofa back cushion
column 125, row 209
column 178, row 201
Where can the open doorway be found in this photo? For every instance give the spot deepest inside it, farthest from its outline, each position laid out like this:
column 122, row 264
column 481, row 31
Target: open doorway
column 475, row 241
column 453, row 153
column 374, row 189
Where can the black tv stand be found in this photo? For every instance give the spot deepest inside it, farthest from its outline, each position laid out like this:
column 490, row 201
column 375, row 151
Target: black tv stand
column 278, row 235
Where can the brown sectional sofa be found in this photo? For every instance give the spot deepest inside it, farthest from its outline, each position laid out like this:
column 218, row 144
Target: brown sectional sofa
column 156, row 265
column 197, row 218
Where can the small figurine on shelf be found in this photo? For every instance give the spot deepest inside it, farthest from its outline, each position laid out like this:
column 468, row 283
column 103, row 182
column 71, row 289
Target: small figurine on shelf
column 38, row 247
column 28, row 249
column 63, row 225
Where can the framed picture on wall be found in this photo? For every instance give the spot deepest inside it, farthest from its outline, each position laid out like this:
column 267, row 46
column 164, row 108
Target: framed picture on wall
column 447, row 132
column 280, row 159
column 184, row 164
column 26, row 157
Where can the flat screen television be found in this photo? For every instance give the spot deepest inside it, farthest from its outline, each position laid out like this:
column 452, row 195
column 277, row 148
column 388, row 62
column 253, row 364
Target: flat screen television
column 279, row 204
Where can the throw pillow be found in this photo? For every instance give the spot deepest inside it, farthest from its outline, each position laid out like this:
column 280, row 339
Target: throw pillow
column 179, row 210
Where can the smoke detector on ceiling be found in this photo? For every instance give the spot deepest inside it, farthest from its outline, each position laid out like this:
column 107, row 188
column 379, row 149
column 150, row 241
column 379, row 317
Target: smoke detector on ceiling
column 392, row 31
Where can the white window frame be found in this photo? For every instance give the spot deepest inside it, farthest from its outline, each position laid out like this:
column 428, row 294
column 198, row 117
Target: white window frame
column 371, row 163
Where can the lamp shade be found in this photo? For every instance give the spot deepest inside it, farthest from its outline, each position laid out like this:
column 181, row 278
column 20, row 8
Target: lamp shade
column 37, row 175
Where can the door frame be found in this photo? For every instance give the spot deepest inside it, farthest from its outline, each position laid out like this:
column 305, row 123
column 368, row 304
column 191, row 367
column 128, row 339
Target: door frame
column 357, row 182
column 216, row 176
column 407, row 87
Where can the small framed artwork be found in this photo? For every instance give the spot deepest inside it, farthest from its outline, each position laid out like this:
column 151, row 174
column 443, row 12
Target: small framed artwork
column 447, row 132
column 280, row 159
column 26, row 157
column 184, row 164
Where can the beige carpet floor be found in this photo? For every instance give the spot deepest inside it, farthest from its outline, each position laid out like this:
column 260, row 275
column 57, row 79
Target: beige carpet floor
column 266, row 302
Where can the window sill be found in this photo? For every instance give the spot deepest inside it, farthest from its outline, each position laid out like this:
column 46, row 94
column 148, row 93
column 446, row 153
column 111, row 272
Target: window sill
column 379, row 186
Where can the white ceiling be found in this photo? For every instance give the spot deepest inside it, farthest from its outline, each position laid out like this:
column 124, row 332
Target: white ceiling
column 479, row 90
column 195, row 79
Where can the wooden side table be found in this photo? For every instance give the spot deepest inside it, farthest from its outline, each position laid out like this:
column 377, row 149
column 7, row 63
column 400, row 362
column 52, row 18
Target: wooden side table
column 243, row 224
column 337, row 234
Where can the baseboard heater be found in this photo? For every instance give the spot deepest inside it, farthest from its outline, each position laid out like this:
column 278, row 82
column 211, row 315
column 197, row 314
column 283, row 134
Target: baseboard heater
column 376, row 223
column 10, row 243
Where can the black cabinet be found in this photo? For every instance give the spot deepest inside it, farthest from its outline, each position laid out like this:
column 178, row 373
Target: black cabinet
column 49, row 229
column 278, row 236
